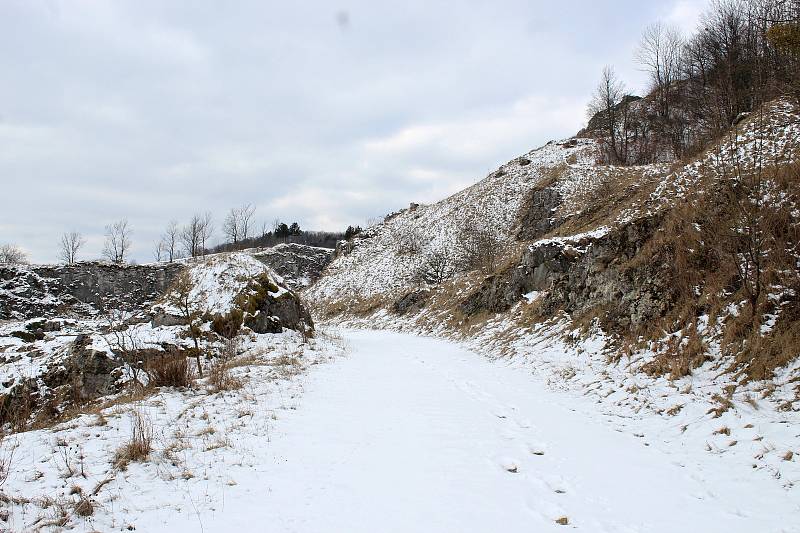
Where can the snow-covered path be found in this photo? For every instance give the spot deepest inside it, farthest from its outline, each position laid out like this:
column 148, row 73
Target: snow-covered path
column 417, row 434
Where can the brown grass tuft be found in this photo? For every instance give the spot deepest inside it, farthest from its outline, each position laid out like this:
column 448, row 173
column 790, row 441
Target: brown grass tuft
column 84, row 507
column 221, row 379
column 169, row 370
column 140, row 444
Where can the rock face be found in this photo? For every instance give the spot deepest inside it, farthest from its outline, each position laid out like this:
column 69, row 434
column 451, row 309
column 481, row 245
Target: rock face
column 591, row 272
column 49, row 361
column 89, row 372
column 299, row 265
column 73, row 373
column 277, row 312
column 34, row 291
column 411, row 302
column 536, row 215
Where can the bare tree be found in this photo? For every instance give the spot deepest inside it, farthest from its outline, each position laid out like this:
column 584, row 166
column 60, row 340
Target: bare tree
column 231, row 226
column 409, row 240
column 246, row 213
column 439, row 266
column 659, row 54
column 238, row 223
column 118, row 241
column 609, row 102
column 750, row 235
column 170, row 240
column 191, row 236
column 12, row 254
column 185, row 299
column 206, row 230
column 158, row 250
column 71, row 243
column 481, row 249
column 264, row 229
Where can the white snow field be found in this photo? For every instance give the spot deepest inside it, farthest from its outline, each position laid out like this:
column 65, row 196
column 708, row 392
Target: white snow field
column 415, row 434
column 403, row 434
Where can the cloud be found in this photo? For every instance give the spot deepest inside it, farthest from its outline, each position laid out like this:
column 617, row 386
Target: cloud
column 685, row 14
column 157, row 110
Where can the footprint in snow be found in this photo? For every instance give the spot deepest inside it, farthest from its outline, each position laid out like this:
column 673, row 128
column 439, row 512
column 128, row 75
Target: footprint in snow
column 509, row 464
column 537, row 448
column 558, row 484
column 549, row 511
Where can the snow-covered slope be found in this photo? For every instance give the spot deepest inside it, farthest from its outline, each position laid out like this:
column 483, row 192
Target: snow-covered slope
column 389, row 255
column 588, row 294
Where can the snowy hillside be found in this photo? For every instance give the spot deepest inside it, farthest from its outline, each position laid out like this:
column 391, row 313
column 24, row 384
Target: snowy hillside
column 389, row 255
column 589, row 295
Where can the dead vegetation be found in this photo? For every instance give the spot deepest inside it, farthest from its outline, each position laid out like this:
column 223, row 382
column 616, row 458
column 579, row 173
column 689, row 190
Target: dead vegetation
column 138, row 447
column 169, row 369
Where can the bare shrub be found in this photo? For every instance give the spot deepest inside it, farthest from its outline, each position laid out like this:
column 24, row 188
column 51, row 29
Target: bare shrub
column 439, row 266
column 481, row 249
column 140, row 443
column 124, row 342
column 11, row 254
column 183, row 297
column 84, row 507
column 680, row 356
column 220, row 377
column 287, row 365
column 169, row 369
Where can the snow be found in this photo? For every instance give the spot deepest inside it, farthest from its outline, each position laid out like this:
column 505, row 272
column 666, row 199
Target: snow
column 405, row 433
column 219, row 279
column 377, row 263
column 532, row 296
column 203, row 441
column 419, row 434
column 572, row 240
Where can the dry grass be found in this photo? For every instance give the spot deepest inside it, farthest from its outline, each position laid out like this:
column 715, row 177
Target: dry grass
column 678, row 356
column 723, row 406
column 6, row 459
column 220, row 377
column 674, row 410
column 140, row 443
column 169, row 370
column 84, row 507
column 287, row 366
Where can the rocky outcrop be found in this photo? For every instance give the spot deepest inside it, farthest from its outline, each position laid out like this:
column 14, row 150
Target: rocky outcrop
column 278, row 312
column 81, row 289
column 591, row 272
column 537, row 213
column 74, row 373
column 299, row 265
column 231, row 290
column 411, row 302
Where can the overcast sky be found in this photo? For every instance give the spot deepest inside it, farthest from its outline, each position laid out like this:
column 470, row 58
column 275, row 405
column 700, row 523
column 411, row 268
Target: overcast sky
column 324, row 113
